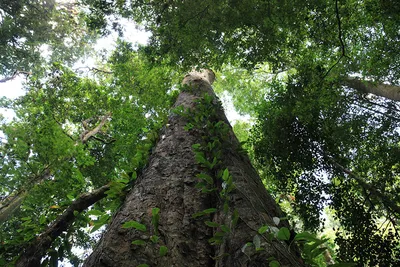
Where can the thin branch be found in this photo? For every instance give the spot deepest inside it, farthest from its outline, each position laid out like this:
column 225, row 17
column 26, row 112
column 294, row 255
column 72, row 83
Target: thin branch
column 16, row 73
column 385, row 199
column 377, row 104
column 96, row 70
column 89, row 133
column 334, row 65
column 60, row 124
column 378, row 112
column 33, row 253
column 340, row 29
column 195, row 16
column 342, row 44
column 104, row 141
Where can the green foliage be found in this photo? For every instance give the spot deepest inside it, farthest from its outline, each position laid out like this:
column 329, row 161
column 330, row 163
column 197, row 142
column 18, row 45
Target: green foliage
column 31, row 29
column 139, row 242
column 163, row 251
column 46, row 162
column 316, row 141
column 155, row 217
column 283, row 234
column 328, row 145
column 136, row 225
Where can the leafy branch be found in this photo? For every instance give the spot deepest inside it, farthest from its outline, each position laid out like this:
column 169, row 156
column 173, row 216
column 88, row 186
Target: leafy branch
column 34, row 252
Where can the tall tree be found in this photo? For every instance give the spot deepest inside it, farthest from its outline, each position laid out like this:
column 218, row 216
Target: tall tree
column 199, row 201
column 73, row 134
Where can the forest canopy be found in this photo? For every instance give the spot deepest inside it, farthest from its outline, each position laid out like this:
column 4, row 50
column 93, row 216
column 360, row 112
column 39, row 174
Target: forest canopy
column 319, row 80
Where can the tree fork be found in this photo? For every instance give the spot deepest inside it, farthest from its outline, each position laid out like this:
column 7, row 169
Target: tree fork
column 169, row 183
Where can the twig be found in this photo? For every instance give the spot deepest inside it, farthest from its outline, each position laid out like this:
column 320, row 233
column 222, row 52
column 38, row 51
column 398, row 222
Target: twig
column 342, row 45
column 386, row 201
column 95, row 70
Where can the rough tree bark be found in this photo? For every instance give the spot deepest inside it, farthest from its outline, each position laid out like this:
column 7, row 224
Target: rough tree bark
column 169, row 183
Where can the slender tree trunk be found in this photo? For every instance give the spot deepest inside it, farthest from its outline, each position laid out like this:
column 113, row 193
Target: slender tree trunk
column 391, row 92
column 169, row 183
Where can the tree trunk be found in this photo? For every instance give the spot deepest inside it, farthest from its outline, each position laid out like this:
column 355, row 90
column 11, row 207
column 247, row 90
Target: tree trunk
column 391, row 92
column 169, row 183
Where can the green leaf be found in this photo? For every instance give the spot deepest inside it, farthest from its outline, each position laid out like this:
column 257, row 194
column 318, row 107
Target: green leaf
column 155, row 211
column 42, row 219
column 95, row 212
column 200, row 158
column 206, row 178
column 139, row 242
column 198, row 214
column 235, row 218
column 210, row 210
column 154, row 239
column 155, row 218
column 211, row 224
column 217, row 238
column 306, row 236
column 274, row 263
column 225, row 228
column 225, row 174
column 309, row 247
column 188, row 126
column 163, row 250
column 316, row 252
column 143, row 265
column 283, row 234
column 263, row 229
column 196, row 146
column 135, row 224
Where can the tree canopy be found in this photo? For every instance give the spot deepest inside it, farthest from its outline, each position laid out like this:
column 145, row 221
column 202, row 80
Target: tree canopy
column 320, row 80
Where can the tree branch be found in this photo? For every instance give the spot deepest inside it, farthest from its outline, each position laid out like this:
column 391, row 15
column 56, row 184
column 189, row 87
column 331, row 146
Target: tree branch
column 89, row 133
column 342, row 45
column 340, row 29
column 13, row 201
column 385, row 199
column 33, row 253
column 391, row 92
column 96, row 70
column 16, row 73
